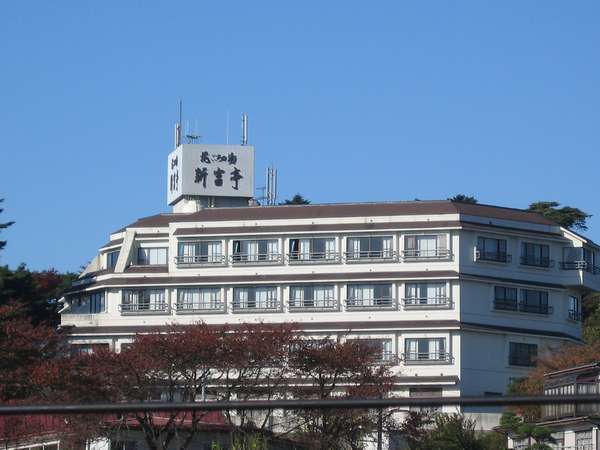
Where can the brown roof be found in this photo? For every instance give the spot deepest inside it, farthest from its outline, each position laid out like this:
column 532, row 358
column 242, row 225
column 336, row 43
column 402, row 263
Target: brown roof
column 287, row 212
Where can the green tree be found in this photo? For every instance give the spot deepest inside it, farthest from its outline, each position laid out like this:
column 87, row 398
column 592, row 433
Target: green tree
column 462, row 198
column 538, row 437
column 453, row 432
column 3, row 226
column 566, row 216
column 296, row 200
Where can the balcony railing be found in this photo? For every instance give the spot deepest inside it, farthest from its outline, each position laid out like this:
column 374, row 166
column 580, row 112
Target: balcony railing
column 370, row 303
column 426, row 358
column 535, row 309
column 330, row 304
column 426, row 302
column 200, row 260
column 387, row 358
column 426, row 255
column 371, row 255
column 256, row 305
column 536, row 262
column 580, row 265
column 505, row 304
column 256, row 258
column 503, row 257
column 199, row 307
column 313, row 258
column 574, row 315
column 144, row 308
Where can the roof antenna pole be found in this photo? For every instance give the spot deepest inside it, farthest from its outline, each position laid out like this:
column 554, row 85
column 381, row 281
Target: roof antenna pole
column 244, row 129
column 178, row 126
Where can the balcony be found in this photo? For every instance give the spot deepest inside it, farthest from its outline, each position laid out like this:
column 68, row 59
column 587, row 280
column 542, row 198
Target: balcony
column 426, row 255
column 251, row 306
column 313, row 305
column 143, row 308
column 580, row 265
column 535, row 309
column 256, row 259
column 371, row 256
column 353, row 304
column 200, row 260
column 313, row 258
column 575, row 316
column 500, row 257
column 537, row 262
column 427, row 303
column 200, row 307
column 427, row 358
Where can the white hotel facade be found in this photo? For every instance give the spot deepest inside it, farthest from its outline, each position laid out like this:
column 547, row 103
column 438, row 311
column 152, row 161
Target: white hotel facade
column 459, row 298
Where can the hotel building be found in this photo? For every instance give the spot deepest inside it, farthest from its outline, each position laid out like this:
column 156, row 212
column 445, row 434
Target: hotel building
column 459, row 298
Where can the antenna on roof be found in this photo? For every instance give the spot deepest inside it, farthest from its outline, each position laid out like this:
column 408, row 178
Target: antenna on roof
column 244, row 129
column 178, row 126
column 193, row 137
column 271, row 195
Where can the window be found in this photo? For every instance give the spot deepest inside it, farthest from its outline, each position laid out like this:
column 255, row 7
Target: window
column 265, row 250
column 92, row 303
column 426, row 294
column 373, row 247
column 425, row 393
column 144, row 300
column 533, row 301
column 200, row 252
column 264, row 297
column 111, row 259
column 97, row 303
column 425, row 349
column 152, row 256
column 426, row 247
column 369, row 295
column 505, row 298
column 535, row 254
column 574, row 308
column 523, row 355
column 312, row 296
column 381, row 348
column 584, row 440
column 579, row 258
column 312, row 249
column 489, row 249
column 199, row 299
column 88, row 349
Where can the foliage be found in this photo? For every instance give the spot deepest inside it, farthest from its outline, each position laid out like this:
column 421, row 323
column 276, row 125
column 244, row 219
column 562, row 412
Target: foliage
column 4, row 226
column 415, row 427
column 566, row 216
column 462, row 198
column 296, row 200
column 453, row 432
column 23, row 348
column 332, row 369
column 36, row 292
column 538, row 437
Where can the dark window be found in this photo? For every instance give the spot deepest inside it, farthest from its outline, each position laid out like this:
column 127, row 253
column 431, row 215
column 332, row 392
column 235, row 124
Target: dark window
column 111, row 259
column 489, row 249
column 535, row 254
column 97, row 303
column 534, row 301
column 152, row 256
column 520, row 354
column 505, row 298
column 423, row 393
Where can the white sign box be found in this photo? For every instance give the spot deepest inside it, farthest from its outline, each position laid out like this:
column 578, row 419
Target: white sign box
column 210, row 170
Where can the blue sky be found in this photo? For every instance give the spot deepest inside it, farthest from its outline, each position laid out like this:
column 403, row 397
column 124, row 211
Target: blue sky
column 352, row 101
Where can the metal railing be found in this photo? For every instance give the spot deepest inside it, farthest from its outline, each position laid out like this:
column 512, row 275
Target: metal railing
column 535, row 309
column 426, row 255
column 575, row 315
column 481, row 255
column 536, row 262
column 426, row 302
column 422, row 358
column 200, row 260
column 329, row 304
column 256, row 258
column 580, row 265
column 256, row 305
column 370, row 303
column 194, row 307
column 313, row 257
column 143, row 308
column 371, row 255
column 504, row 304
